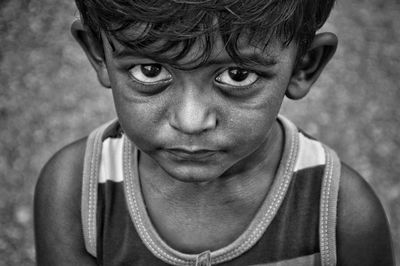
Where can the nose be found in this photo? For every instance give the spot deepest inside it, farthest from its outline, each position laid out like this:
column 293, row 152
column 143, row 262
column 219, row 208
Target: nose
column 193, row 113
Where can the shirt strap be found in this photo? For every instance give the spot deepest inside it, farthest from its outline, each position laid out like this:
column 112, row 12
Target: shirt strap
column 328, row 208
column 90, row 178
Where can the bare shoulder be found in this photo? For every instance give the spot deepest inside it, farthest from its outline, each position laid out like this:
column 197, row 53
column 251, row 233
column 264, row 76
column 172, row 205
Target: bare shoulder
column 58, row 230
column 363, row 235
column 62, row 173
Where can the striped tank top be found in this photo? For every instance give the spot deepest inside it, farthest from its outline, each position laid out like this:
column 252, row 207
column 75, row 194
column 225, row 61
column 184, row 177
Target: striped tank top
column 295, row 224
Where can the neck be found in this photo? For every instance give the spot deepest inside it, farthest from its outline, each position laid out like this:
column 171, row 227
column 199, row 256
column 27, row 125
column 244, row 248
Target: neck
column 209, row 216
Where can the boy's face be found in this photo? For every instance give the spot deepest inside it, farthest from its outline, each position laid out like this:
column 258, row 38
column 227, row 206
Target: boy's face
column 197, row 124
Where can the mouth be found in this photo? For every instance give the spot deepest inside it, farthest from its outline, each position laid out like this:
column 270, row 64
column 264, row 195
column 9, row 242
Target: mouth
column 191, row 153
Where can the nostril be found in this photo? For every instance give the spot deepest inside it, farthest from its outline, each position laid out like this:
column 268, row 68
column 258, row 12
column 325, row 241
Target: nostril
column 193, row 121
column 193, row 111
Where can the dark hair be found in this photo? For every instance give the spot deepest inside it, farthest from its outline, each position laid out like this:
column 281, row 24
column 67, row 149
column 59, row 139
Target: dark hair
column 181, row 23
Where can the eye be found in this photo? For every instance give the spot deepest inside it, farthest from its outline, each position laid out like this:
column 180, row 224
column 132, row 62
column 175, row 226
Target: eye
column 150, row 73
column 238, row 77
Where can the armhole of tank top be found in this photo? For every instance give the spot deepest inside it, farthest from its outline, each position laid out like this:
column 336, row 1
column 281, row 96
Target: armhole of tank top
column 328, row 208
column 90, row 179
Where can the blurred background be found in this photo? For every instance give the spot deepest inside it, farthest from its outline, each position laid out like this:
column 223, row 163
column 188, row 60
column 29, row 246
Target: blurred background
column 49, row 96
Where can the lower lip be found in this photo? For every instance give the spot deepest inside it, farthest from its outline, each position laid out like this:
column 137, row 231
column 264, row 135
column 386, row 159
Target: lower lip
column 188, row 156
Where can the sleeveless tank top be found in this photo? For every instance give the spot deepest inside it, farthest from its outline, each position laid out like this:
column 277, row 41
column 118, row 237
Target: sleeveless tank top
column 295, row 225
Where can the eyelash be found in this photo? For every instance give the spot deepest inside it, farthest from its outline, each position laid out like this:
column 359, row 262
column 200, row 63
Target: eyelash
column 163, row 70
column 157, row 87
column 261, row 76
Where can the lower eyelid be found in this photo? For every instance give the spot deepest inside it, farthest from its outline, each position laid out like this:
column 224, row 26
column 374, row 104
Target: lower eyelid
column 148, row 89
column 161, row 82
column 227, row 87
column 238, row 86
column 150, row 83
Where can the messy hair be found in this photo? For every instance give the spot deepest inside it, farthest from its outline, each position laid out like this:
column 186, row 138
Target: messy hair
column 182, row 23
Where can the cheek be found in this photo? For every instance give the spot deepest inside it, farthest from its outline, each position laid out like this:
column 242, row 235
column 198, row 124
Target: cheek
column 248, row 132
column 252, row 126
column 140, row 120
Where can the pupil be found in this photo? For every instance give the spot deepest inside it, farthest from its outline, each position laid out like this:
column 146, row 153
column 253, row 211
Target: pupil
column 238, row 74
column 151, row 71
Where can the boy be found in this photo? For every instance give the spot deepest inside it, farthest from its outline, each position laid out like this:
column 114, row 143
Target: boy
column 199, row 168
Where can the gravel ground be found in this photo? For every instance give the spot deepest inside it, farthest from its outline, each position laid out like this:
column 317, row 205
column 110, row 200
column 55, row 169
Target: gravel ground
column 50, row 96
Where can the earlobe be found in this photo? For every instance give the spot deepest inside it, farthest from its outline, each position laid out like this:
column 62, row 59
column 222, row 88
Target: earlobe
column 93, row 50
column 311, row 64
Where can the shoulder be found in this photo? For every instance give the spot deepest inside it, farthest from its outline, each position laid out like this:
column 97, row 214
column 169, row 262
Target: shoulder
column 58, row 230
column 363, row 235
column 62, row 173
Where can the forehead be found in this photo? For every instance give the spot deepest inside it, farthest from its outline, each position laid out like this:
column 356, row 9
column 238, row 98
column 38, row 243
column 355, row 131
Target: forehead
column 204, row 50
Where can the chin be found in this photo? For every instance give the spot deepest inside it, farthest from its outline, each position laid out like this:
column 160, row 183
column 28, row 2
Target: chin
column 194, row 174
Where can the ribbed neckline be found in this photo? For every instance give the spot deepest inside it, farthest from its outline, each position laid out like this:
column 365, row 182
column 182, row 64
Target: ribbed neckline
column 245, row 241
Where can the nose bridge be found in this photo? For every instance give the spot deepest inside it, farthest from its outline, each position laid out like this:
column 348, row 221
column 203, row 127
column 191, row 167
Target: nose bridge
column 193, row 112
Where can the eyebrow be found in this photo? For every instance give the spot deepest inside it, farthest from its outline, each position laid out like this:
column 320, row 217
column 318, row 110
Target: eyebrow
column 249, row 58
column 119, row 54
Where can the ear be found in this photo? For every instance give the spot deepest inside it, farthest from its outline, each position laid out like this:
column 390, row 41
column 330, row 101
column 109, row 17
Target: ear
column 93, row 50
column 311, row 64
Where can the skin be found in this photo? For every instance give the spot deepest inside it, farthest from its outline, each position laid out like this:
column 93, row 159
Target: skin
column 232, row 129
column 210, row 145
